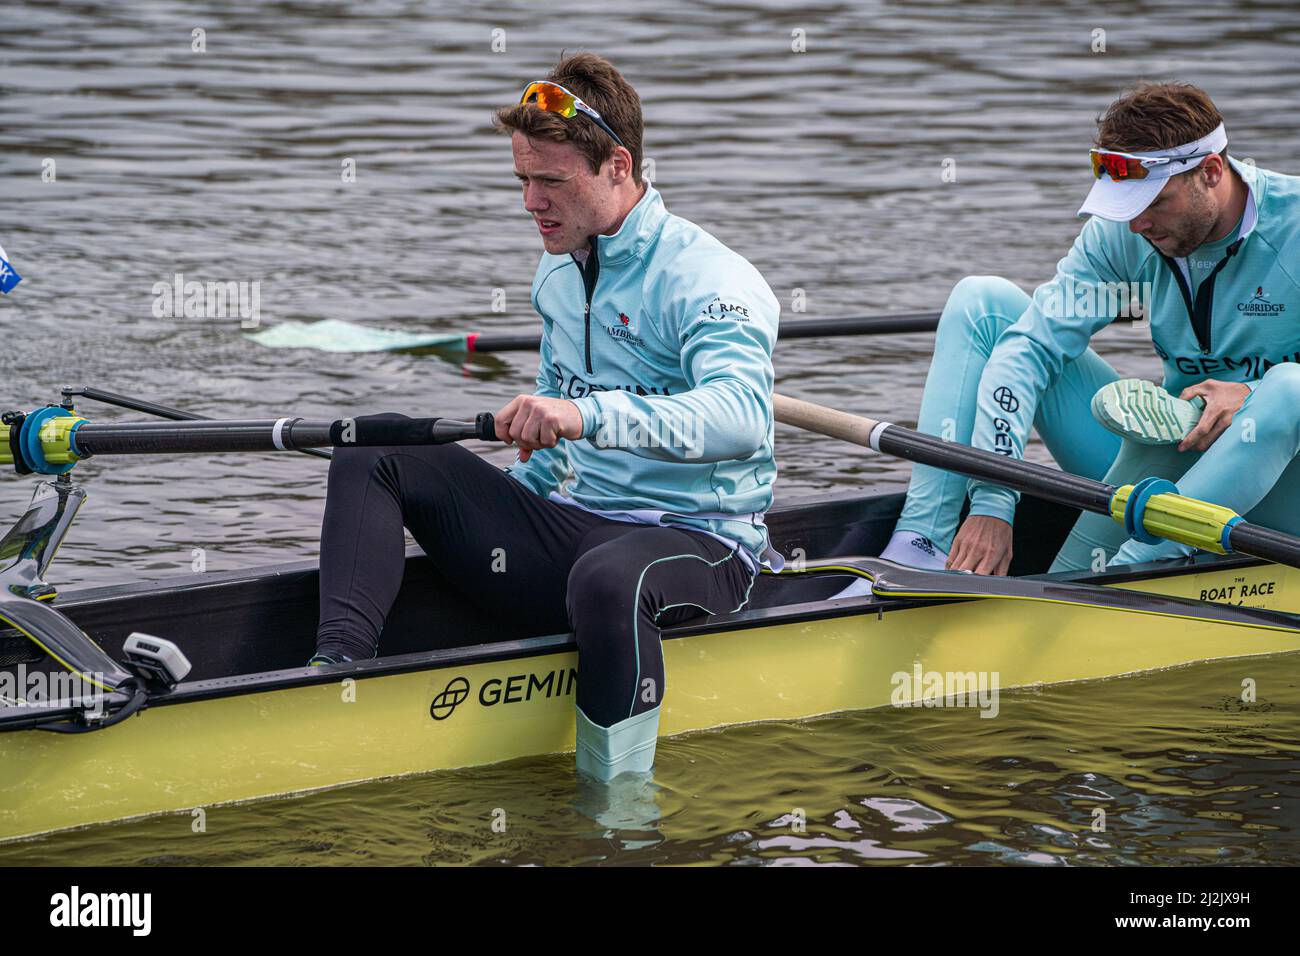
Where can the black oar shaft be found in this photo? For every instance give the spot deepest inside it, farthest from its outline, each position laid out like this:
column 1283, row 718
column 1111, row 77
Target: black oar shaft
column 859, row 325
column 285, row 434
column 156, row 438
column 1247, row 538
column 806, row 328
column 152, row 408
column 1039, row 480
column 790, row 329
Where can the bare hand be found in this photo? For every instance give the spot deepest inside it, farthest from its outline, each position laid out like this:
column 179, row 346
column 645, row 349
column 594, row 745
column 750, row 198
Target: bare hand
column 531, row 422
column 1222, row 401
column 982, row 545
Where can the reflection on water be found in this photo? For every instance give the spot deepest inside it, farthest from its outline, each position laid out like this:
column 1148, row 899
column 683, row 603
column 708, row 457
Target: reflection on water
column 1168, row 768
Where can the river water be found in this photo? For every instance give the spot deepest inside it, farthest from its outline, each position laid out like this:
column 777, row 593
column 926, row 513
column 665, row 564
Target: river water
column 127, row 157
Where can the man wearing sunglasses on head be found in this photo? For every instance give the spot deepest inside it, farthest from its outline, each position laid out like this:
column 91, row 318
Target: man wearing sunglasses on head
column 645, row 458
column 1217, row 244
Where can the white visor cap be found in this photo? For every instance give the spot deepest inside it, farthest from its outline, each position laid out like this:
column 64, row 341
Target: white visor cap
column 1123, row 200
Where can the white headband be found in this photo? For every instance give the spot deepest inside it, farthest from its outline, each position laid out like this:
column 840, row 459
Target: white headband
column 1215, row 141
column 1124, row 200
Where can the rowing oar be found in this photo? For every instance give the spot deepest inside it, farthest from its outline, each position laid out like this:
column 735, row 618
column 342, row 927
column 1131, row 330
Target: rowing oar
column 153, row 408
column 51, row 440
column 790, row 329
column 335, row 335
column 1149, row 510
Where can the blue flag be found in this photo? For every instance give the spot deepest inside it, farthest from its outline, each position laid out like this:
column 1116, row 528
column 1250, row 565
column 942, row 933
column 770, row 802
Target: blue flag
column 8, row 277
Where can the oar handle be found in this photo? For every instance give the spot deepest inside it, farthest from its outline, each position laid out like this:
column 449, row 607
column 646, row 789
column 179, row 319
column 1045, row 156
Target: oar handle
column 855, row 429
column 384, row 430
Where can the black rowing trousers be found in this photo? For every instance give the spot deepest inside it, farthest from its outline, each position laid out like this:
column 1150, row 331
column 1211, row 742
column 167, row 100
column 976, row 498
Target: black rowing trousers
column 550, row 566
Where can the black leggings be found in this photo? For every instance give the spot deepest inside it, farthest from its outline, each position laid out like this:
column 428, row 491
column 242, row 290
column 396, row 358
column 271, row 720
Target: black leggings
column 554, row 567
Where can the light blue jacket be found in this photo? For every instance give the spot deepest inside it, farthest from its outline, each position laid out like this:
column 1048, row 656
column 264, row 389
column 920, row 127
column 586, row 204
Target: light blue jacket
column 668, row 355
column 1252, row 321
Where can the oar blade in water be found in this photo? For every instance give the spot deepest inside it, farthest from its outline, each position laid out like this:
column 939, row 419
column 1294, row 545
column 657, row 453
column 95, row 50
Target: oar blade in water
column 335, row 335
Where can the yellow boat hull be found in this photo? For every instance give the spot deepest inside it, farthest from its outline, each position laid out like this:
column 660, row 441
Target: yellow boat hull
column 203, row 753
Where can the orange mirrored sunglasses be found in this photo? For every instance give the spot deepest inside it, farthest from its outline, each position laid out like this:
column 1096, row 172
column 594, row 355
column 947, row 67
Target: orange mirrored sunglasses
column 1120, row 166
column 554, row 98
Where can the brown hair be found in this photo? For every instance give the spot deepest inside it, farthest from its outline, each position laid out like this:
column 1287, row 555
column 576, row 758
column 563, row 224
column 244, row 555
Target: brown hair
column 598, row 84
column 1153, row 116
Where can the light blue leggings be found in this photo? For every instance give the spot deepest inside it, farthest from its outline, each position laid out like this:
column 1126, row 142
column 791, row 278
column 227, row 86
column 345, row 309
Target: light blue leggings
column 1251, row 468
column 978, row 311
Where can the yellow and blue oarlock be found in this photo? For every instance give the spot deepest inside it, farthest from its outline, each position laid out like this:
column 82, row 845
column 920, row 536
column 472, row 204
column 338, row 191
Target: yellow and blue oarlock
column 45, row 441
column 1153, row 510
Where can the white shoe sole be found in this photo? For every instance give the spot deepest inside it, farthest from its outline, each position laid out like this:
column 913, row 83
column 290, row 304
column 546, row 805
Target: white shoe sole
column 1143, row 412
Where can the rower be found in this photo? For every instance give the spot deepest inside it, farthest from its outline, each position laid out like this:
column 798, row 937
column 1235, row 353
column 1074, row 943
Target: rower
column 1211, row 243
column 645, row 461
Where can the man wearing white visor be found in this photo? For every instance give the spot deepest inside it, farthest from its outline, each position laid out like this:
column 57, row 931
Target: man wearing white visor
column 1211, row 246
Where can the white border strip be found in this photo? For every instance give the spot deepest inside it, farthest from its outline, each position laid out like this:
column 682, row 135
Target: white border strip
column 874, row 439
column 277, row 434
